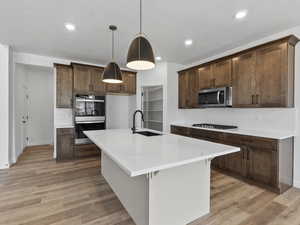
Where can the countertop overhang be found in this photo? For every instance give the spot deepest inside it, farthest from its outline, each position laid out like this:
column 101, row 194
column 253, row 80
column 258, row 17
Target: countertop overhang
column 139, row 155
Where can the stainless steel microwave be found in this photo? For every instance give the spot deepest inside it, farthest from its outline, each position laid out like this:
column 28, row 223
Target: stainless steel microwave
column 215, row 97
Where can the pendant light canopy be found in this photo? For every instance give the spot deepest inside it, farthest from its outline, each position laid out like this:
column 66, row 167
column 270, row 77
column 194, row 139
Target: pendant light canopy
column 112, row 73
column 140, row 55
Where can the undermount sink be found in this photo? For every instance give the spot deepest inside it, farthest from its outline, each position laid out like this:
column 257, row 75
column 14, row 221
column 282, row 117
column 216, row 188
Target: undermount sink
column 147, row 133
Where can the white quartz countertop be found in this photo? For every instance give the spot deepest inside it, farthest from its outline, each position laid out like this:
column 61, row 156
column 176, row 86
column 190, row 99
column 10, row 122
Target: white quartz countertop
column 137, row 154
column 64, row 125
column 274, row 134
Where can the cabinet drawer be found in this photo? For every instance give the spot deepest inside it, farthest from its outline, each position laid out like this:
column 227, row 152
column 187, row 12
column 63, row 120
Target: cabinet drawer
column 207, row 135
column 65, row 131
column 180, row 130
column 251, row 141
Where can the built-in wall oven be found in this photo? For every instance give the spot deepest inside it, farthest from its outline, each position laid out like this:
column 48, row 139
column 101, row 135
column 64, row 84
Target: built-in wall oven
column 89, row 111
column 215, row 97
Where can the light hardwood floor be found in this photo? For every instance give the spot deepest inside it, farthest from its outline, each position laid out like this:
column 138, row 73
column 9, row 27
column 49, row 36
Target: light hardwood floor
column 39, row 191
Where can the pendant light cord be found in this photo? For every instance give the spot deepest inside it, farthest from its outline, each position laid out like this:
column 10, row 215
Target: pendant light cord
column 113, row 47
column 140, row 16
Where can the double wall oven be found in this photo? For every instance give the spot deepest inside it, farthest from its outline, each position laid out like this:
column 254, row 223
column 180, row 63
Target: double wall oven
column 89, row 113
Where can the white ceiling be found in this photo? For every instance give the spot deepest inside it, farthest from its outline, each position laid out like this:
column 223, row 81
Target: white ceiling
column 38, row 26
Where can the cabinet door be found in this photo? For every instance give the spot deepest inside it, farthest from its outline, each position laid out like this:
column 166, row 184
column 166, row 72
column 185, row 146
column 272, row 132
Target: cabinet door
column 184, row 131
column 271, row 75
column 96, row 80
column 193, row 88
column 235, row 162
column 65, row 143
column 64, row 86
column 113, row 88
column 243, row 80
column 129, row 83
column 221, row 72
column 82, row 79
column 183, row 90
column 262, row 165
column 205, row 77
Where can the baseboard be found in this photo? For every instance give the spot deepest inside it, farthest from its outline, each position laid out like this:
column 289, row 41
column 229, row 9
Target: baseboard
column 5, row 166
column 296, row 183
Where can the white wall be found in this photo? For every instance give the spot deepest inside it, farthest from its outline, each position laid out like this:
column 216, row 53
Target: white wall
column 119, row 111
column 5, row 106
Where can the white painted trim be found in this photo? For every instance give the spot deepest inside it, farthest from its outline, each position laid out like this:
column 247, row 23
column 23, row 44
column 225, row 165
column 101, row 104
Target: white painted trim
column 296, row 184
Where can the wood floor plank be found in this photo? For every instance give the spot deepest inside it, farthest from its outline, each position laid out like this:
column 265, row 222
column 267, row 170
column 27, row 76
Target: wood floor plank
column 39, row 191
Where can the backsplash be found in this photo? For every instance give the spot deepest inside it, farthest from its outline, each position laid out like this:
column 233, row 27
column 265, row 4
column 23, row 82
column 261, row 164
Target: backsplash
column 63, row 117
column 251, row 119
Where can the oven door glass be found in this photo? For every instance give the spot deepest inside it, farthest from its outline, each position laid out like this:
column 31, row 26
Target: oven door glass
column 87, row 106
column 80, row 127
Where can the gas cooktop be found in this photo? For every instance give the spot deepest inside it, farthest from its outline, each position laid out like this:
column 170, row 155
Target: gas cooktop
column 214, row 126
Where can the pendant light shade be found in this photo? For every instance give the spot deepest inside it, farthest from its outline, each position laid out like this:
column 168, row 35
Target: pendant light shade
column 140, row 54
column 112, row 73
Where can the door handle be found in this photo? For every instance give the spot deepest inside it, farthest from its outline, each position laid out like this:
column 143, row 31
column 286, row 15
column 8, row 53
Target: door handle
column 252, row 96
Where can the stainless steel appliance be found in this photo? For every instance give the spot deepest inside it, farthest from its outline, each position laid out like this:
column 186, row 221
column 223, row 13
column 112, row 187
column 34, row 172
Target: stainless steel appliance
column 214, row 126
column 215, row 97
column 89, row 111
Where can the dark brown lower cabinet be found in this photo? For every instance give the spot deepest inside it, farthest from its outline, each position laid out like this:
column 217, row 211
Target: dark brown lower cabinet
column 262, row 165
column 65, row 144
column 262, row 161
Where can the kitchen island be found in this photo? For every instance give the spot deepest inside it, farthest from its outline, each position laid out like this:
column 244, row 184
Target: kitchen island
column 160, row 180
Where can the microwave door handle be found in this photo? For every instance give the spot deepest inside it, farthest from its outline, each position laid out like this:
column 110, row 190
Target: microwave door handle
column 88, row 122
column 218, row 97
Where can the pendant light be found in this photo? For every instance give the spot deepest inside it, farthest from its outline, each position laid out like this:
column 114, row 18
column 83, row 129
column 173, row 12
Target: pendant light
column 140, row 55
column 112, row 73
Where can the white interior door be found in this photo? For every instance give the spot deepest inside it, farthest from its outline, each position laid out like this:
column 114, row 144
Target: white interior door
column 25, row 119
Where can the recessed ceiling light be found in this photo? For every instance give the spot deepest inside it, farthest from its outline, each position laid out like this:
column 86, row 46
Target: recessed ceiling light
column 158, row 58
column 188, row 42
column 70, row 26
column 241, row 14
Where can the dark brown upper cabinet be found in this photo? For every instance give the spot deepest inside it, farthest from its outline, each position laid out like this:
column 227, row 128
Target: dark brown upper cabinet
column 205, row 77
column 243, row 80
column 188, row 85
column 129, row 83
column 274, row 76
column 262, row 76
column 83, row 82
column 96, row 78
column 88, row 79
column 64, row 86
column 221, row 73
column 183, row 90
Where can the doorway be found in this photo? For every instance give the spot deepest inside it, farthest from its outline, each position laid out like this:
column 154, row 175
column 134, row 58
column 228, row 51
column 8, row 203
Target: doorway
column 34, row 106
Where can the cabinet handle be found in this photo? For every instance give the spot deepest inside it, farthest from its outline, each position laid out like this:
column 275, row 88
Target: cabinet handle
column 252, row 96
column 248, row 154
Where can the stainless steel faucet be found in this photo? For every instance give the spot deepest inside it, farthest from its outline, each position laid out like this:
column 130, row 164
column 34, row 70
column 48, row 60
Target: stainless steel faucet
column 134, row 114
